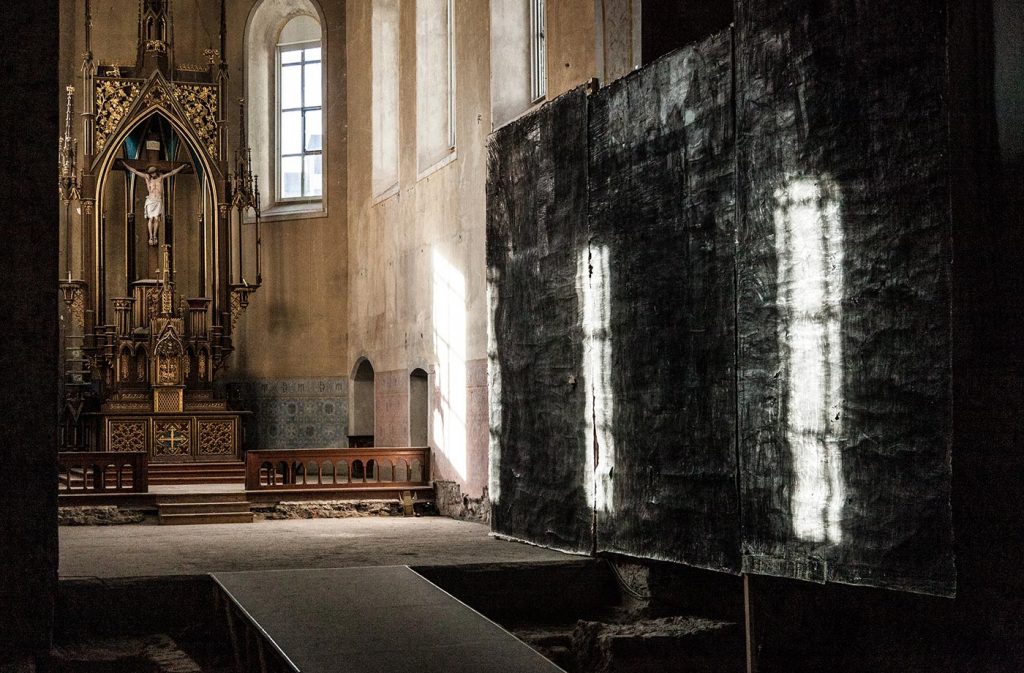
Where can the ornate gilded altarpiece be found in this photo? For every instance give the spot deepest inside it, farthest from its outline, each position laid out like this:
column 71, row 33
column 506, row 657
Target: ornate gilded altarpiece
column 142, row 356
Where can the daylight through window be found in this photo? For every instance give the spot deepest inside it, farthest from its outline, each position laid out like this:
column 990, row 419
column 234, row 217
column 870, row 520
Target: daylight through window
column 300, row 121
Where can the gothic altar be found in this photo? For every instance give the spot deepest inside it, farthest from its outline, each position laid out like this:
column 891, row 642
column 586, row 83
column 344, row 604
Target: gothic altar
column 162, row 250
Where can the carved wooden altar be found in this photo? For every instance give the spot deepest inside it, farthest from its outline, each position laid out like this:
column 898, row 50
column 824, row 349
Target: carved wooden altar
column 145, row 342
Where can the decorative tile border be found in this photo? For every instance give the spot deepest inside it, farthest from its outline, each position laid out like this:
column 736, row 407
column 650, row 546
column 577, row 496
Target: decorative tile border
column 292, row 413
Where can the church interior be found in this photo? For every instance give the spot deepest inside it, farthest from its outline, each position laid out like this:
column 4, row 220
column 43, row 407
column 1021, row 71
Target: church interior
column 717, row 298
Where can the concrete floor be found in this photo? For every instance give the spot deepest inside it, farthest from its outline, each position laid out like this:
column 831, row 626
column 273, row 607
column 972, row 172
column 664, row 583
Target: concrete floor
column 141, row 550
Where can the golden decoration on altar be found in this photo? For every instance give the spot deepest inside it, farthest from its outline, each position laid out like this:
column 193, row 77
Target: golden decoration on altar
column 127, row 436
column 172, row 438
column 240, row 300
column 114, row 97
column 200, row 104
column 78, row 309
column 156, row 96
column 216, row 438
column 74, row 298
column 67, row 150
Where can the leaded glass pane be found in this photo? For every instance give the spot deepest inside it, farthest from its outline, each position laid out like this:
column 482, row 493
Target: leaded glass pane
column 291, row 132
column 291, row 177
column 314, row 131
column 291, row 87
column 314, row 178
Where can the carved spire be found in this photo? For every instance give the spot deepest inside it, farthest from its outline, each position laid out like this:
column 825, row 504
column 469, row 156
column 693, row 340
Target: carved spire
column 223, row 34
column 88, row 30
column 155, row 35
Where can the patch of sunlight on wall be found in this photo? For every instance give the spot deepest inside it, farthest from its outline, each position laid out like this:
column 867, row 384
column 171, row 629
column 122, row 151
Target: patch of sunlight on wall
column 809, row 246
column 449, row 422
column 493, row 398
column 593, row 280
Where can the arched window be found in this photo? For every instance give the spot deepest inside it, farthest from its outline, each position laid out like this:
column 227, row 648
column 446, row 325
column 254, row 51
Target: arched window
column 300, row 110
column 285, row 90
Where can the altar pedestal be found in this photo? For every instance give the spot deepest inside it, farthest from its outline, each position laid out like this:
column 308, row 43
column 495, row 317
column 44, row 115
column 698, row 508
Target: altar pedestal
column 197, row 436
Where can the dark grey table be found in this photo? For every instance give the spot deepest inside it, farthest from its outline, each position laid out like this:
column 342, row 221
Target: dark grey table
column 374, row 620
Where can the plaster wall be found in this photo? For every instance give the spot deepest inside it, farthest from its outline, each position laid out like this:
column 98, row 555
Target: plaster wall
column 417, row 290
column 572, row 52
column 295, row 325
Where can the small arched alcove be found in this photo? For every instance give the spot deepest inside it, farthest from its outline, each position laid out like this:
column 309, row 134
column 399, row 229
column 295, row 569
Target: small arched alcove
column 360, row 428
column 418, row 411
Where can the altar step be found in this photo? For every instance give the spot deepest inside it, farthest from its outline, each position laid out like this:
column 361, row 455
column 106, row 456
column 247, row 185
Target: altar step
column 191, row 513
column 197, row 473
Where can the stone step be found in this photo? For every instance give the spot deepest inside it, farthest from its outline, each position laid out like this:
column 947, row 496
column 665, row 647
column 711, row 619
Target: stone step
column 176, row 498
column 205, row 518
column 235, row 507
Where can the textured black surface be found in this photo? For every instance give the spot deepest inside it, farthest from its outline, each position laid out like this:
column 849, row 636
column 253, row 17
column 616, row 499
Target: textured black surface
column 844, row 101
column 810, row 264
column 536, row 228
column 28, row 354
column 662, row 204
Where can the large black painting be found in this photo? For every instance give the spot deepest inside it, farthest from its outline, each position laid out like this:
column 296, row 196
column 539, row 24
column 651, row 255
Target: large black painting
column 536, row 230
column 661, row 365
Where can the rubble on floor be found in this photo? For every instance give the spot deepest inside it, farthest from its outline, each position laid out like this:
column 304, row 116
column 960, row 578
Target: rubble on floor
column 329, row 509
column 98, row 515
column 150, row 654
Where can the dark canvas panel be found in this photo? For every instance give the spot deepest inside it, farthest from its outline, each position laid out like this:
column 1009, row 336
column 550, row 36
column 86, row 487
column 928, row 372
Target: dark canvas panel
column 536, row 229
column 744, row 361
column 662, row 204
column 844, row 332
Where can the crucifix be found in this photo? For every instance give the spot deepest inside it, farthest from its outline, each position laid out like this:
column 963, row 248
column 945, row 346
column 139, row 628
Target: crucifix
column 154, row 173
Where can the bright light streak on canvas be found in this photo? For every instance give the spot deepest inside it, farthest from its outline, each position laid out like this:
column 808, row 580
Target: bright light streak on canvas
column 809, row 245
column 593, row 275
column 493, row 400
column 449, row 422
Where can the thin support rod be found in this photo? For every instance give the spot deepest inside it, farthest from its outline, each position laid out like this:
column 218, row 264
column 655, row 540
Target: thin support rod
column 241, row 246
column 747, row 626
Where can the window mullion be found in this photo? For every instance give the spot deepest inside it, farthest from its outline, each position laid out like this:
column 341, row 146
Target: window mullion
column 302, row 138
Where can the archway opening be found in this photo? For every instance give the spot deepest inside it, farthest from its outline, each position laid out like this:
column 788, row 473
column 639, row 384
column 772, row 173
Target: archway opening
column 361, row 420
column 418, row 409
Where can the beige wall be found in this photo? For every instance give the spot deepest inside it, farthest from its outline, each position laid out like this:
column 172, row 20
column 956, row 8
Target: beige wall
column 571, row 44
column 417, row 269
column 295, row 326
column 423, row 246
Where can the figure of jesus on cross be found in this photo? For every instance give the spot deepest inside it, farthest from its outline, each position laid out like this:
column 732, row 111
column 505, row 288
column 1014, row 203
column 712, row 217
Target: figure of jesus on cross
column 154, row 196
